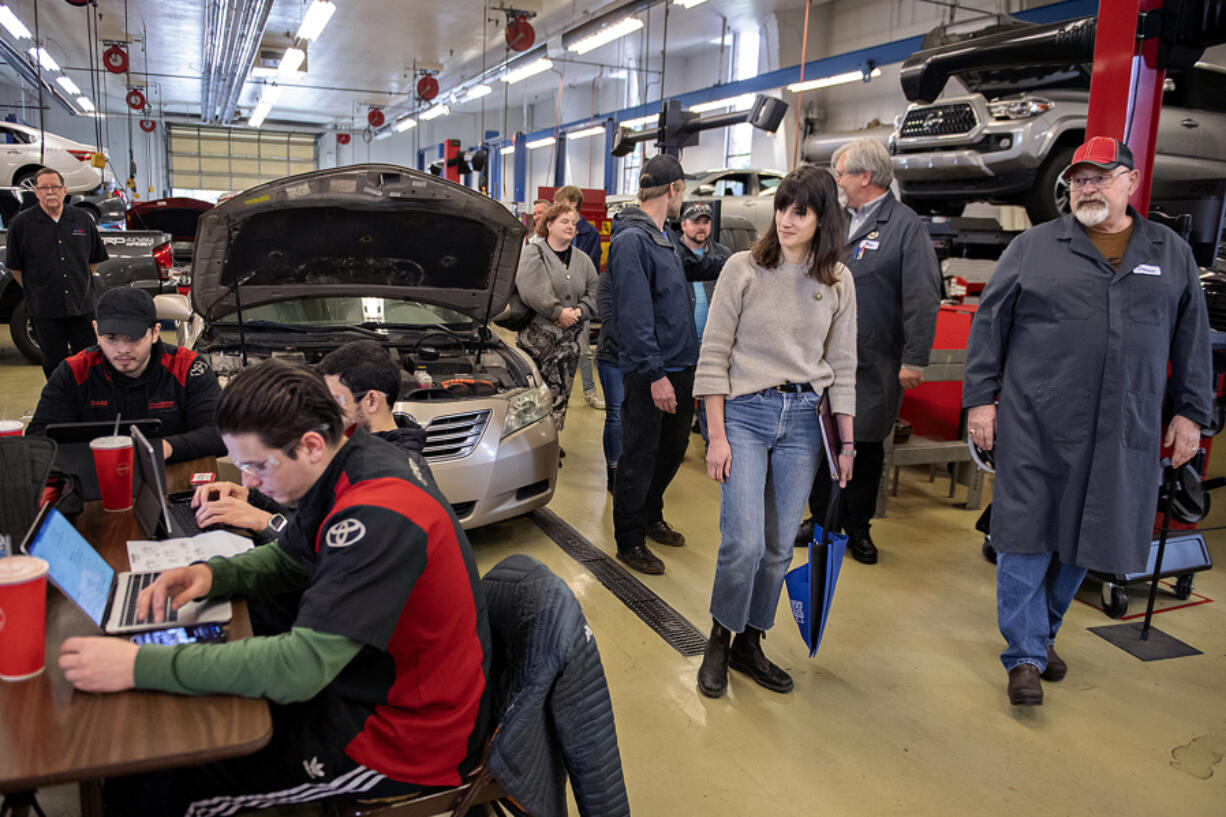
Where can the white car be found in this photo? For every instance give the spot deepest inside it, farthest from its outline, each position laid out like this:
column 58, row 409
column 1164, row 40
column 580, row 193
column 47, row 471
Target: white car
column 746, row 193
column 23, row 151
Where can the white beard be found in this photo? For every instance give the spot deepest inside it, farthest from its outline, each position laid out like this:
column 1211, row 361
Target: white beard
column 1091, row 215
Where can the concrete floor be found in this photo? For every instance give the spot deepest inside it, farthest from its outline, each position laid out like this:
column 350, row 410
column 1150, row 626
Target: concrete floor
column 903, row 712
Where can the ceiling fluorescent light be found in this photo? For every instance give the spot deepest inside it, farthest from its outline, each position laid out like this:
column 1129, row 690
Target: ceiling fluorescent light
column 529, row 70
column 383, row 134
column 41, row 55
column 402, row 125
column 85, row 104
column 270, row 95
column 288, row 67
column 688, row 4
column 826, row 82
column 507, row 151
column 257, row 116
column 738, row 103
column 435, row 112
column 15, row 27
column 586, row 132
column 68, row 85
column 640, row 122
column 316, row 18
column 477, row 91
column 608, row 34
column 540, row 143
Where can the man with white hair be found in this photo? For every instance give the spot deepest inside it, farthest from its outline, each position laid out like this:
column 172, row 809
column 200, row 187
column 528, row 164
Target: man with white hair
column 1067, row 376
column 898, row 291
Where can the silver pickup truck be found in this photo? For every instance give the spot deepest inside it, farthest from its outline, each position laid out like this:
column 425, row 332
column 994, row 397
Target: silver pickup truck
column 1008, row 139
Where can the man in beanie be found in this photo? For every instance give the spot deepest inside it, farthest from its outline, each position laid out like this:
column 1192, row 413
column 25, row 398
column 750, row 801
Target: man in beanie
column 658, row 351
column 1066, row 377
column 132, row 373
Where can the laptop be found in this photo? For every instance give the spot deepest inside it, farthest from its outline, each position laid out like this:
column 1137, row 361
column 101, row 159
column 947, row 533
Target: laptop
column 157, row 517
column 74, row 457
column 107, row 598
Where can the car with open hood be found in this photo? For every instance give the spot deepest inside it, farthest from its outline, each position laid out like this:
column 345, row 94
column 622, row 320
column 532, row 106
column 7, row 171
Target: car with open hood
column 294, row 268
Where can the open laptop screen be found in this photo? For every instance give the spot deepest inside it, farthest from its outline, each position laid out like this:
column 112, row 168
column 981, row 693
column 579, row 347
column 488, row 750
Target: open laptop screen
column 76, row 568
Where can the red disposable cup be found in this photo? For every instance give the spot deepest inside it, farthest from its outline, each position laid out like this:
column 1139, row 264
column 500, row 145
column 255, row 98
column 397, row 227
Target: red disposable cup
column 113, row 464
column 11, row 428
column 23, row 617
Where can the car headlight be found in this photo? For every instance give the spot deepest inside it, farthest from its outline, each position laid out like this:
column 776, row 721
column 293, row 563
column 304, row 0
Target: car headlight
column 1019, row 108
column 526, row 408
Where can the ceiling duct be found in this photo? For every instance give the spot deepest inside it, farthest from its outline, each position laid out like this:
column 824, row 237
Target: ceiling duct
column 233, row 30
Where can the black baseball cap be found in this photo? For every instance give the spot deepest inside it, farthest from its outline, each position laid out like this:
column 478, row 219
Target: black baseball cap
column 696, row 210
column 661, row 170
column 125, row 311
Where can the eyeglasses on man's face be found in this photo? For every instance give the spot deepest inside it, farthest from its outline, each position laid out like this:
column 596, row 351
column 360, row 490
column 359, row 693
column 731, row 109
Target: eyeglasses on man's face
column 1098, row 182
column 49, row 188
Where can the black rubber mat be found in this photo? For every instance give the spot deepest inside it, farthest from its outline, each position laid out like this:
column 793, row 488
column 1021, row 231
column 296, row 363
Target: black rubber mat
column 1158, row 646
column 655, row 612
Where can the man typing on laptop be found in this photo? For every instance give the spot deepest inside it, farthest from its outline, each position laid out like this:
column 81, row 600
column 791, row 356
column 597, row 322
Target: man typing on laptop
column 379, row 685
column 132, row 373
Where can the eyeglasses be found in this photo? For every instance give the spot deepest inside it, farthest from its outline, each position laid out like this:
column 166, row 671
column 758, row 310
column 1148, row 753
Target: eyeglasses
column 258, row 469
column 1097, row 182
column 43, row 188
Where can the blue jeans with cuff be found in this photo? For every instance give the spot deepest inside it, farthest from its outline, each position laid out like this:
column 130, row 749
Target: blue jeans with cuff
column 1033, row 592
column 776, row 446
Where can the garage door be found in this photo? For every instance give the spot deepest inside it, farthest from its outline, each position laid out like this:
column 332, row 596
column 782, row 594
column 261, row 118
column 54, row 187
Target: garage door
column 221, row 159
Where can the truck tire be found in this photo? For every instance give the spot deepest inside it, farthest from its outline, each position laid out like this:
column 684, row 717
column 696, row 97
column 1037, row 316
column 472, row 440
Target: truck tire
column 23, row 335
column 1049, row 197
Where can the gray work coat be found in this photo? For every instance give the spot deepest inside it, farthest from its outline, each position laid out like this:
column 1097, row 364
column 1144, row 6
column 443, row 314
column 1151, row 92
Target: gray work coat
column 547, row 286
column 898, row 292
column 1076, row 353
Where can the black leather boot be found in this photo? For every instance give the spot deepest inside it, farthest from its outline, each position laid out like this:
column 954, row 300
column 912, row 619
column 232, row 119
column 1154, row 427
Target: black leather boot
column 746, row 656
column 612, row 472
column 861, row 545
column 713, row 674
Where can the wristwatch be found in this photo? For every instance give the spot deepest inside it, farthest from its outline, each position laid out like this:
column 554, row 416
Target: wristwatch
column 272, row 530
column 843, row 450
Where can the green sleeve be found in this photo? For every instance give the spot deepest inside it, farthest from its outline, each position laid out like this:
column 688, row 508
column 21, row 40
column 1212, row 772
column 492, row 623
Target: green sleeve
column 284, row 668
column 260, row 572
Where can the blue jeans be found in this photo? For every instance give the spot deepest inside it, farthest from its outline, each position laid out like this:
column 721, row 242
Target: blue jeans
column 1033, row 592
column 776, row 448
column 614, row 394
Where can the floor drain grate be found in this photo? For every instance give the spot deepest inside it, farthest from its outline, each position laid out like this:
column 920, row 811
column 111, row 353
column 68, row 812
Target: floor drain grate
column 655, row 612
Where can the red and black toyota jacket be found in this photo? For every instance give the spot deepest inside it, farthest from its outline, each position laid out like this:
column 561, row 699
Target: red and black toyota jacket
column 177, row 387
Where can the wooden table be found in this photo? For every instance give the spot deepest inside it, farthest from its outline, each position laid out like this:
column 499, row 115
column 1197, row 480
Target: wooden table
column 50, row 733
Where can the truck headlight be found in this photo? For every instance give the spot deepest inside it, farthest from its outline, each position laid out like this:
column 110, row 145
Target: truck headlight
column 1019, row 108
column 526, row 408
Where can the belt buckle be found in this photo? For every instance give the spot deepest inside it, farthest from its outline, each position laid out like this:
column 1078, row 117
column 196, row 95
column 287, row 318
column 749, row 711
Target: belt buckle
column 787, row 388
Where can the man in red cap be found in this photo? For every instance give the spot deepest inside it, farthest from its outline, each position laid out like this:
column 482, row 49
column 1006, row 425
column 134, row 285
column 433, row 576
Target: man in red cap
column 1066, row 375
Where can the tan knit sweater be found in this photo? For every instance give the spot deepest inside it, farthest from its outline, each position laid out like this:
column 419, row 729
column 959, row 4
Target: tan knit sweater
column 766, row 327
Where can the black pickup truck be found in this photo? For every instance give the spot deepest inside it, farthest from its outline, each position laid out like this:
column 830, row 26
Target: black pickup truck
column 140, row 258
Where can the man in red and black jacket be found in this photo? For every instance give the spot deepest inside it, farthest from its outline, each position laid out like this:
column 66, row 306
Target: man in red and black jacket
column 379, row 684
column 134, row 374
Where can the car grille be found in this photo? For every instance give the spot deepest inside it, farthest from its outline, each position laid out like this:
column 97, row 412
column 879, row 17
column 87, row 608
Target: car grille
column 455, row 435
column 939, row 120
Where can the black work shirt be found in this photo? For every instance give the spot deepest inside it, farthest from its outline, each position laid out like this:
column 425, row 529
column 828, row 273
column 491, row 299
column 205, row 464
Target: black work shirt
column 54, row 259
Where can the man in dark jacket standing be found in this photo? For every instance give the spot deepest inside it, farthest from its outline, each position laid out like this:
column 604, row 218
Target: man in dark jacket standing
column 658, row 351
column 703, row 258
column 134, row 374
column 53, row 251
column 898, row 293
column 1066, row 374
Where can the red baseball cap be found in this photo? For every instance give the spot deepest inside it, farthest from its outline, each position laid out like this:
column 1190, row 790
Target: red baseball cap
column 1101, row 151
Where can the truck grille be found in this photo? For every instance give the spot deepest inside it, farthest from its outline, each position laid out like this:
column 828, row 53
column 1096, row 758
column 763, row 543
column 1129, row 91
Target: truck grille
column 455, row 435
column 938, row 120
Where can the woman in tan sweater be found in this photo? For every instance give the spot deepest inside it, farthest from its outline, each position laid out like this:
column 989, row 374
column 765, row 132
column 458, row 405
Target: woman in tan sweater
column 781, row 331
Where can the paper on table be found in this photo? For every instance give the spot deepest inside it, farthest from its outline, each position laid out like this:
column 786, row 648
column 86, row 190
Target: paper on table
column 145, row 556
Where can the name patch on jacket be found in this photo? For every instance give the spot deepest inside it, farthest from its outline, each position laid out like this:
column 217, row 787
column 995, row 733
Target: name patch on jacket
column 98, row 404
column 161, row 404
column 79, row 231
column 1147, row 269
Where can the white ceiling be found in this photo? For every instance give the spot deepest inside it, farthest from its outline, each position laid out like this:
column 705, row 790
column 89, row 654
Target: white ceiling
column 366, row 54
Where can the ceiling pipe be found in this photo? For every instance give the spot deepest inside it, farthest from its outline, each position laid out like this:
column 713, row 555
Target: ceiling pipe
column 245, row 56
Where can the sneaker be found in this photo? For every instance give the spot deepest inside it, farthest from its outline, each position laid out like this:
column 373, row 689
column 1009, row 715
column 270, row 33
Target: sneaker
column 662, row 533
column 593, row 399
column 643, row 560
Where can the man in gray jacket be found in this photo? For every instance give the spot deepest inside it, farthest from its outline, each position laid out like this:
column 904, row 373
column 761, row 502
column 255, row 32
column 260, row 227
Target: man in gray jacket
column 898, row 292
column 1066, row 374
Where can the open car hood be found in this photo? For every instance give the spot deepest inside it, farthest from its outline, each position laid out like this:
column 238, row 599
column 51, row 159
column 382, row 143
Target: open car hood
column 366, row 230
column 178, row 216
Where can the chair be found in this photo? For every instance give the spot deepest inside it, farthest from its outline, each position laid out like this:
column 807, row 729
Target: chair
column 552, row 708
column 25, row 463
column 945, row 365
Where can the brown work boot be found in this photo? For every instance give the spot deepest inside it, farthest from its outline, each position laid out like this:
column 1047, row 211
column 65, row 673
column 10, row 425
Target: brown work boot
column 1056, row 668
column 662, row 533
column 1025, row 688
column 642, row 560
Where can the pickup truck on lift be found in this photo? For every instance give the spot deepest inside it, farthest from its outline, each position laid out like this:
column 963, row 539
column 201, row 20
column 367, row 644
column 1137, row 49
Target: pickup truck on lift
column 141, row 259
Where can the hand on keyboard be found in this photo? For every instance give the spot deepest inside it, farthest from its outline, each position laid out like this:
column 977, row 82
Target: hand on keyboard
column 233, row 512
column 179, row 585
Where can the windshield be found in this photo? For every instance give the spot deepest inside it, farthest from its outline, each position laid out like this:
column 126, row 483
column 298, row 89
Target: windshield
column 354, row 311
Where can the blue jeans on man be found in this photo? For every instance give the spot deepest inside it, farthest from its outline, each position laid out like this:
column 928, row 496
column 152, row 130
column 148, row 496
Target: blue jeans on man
column 776, row 448
column 1033, row 592
column 614, row 393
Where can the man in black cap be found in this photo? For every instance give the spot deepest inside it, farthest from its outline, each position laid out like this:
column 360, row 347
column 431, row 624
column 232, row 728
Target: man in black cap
column 703, row 258
column 658, row 351
column 53, row 252
column 134, row 374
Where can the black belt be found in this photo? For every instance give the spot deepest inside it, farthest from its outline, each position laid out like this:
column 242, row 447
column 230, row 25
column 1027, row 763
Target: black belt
column 789, row 388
